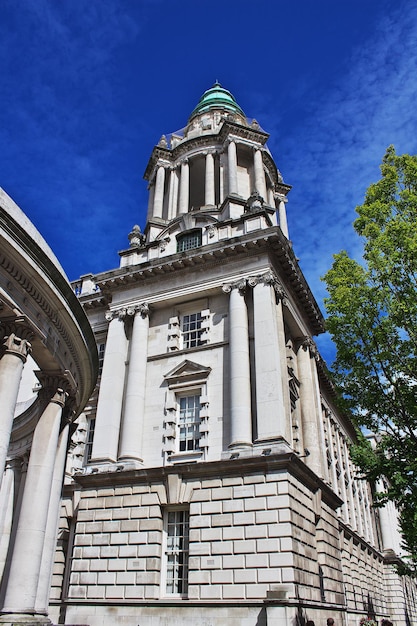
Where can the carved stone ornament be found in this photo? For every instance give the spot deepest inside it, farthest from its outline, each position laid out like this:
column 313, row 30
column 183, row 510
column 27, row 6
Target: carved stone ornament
column 56, row 387
column 306, row 343
column 163, row 142
column 255, row 202
column 142, row 309
column 59, row 397
column 136, row 237
column 18, row 346
column 253, row 281
column 119, row 314
column 239, row 284
column 163, row 244
column 269, row 278
column 211, row 230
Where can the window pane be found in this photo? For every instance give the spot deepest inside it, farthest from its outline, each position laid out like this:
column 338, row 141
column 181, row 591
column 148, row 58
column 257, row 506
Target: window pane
column 189, row 423
column 90, row 438
column 189, row 241
column 177, row 551
column 191, row 330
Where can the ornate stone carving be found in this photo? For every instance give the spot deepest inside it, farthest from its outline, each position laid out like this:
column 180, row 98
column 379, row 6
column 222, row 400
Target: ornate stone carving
column 12, row 344
column 255, row 202
column 306, row 343
column 136, row 237
column 239, row 284
column 163, row 243
column 269, row 278
column 211, row 230
column 117, row 313
column 142, row 309
column 56, row 387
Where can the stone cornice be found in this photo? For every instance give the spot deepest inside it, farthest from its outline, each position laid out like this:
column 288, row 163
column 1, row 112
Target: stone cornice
column 43, row 293
column 288, row 461
column 270, row 240
column 329, row 392
column 359, row 540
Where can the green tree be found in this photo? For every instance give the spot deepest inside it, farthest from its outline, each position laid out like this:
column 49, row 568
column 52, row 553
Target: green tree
column 372, row 317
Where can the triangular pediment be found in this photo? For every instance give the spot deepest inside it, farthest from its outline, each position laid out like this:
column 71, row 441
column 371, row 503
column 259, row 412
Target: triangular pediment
column 187, row 371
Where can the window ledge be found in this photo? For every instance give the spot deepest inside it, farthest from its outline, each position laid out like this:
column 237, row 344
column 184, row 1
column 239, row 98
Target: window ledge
column 186, row 457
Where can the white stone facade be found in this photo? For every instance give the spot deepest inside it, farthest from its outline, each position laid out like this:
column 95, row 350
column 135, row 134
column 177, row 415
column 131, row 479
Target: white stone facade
column 209, row 481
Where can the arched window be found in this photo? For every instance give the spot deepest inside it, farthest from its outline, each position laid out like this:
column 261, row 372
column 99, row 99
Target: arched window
column 189, row 240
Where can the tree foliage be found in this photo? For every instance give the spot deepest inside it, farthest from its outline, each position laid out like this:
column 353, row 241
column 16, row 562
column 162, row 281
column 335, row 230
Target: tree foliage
column 372, row 317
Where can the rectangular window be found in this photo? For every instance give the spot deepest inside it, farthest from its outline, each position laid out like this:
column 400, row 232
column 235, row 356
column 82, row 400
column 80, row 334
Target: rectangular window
column 100, row 348
column 192, row 330
column 189, row 423
column 177, row 524
column 90, row 438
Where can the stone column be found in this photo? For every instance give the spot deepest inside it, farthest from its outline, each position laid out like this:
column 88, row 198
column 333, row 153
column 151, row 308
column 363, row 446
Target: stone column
column 151, row 190
column 309, row 416
column 158, row 202
column 184, row 187
column 209, row 187
column 7, row 499
column 240, row 387
column 222, row 176
column 270, row 404
column 260, row 184
column 232, row 168
column 173, row 193
column 109, row 406
column 131, row 440
column 283, row 218
column 17, row 349
column 22, row 586
column 51, row 532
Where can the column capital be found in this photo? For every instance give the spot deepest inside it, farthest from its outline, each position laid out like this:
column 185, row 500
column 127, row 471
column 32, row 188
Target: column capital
column 307, row 343
column 18, row 326
column 269, row 278
column 56, row 387
column 143, row 309
column 119, row 314
column 13, row 344
column 240, row 285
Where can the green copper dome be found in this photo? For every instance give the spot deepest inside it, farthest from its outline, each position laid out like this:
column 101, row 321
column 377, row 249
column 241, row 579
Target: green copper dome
column 217, row 98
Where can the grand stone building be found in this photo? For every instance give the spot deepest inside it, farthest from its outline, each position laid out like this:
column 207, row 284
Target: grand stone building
column 209, row 479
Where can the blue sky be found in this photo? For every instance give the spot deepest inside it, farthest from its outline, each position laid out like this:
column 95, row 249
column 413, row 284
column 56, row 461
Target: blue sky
column 88, row 87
